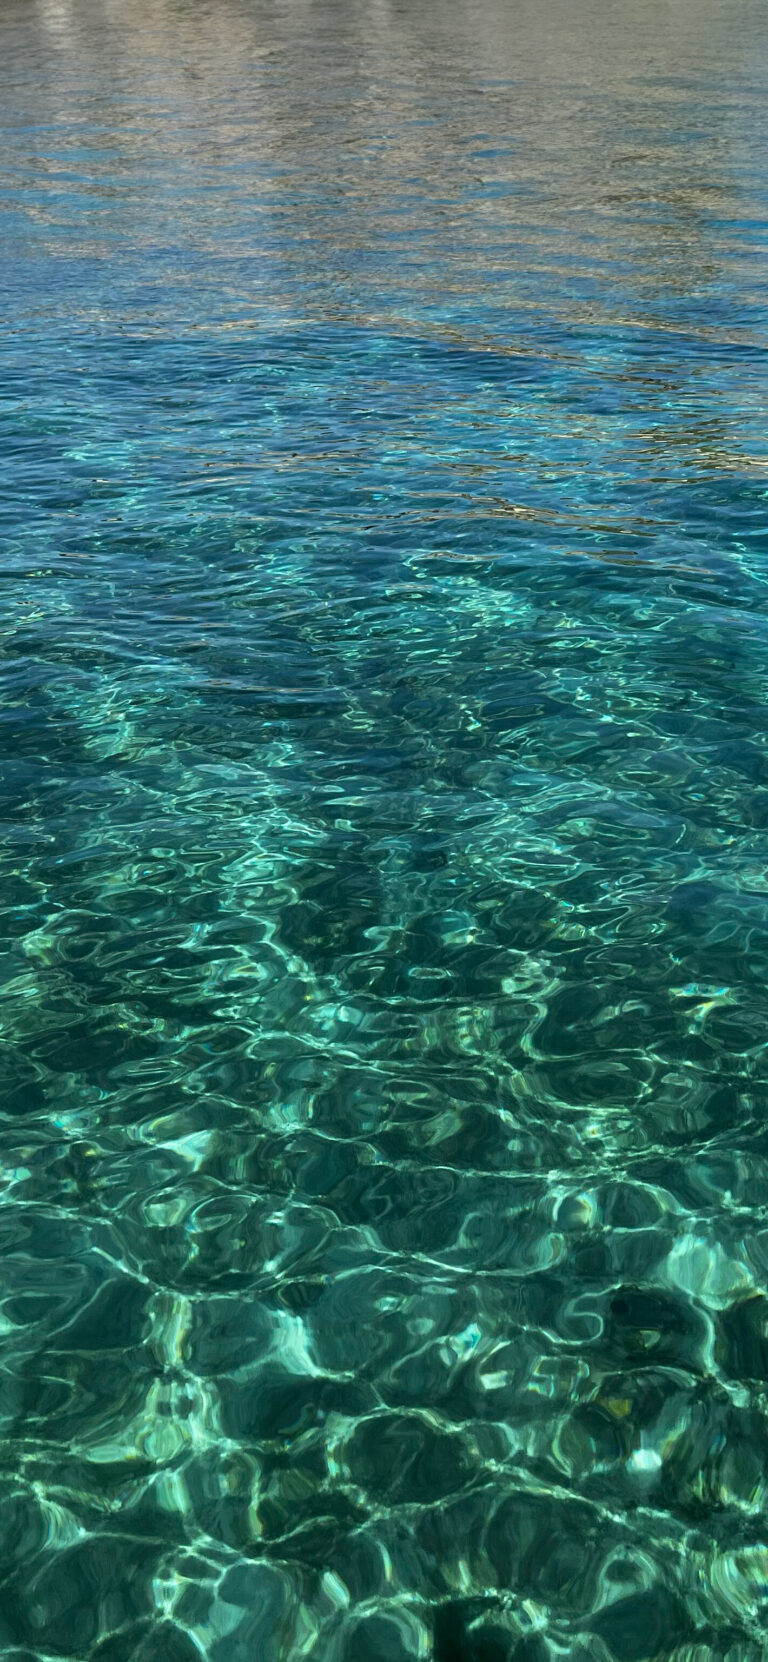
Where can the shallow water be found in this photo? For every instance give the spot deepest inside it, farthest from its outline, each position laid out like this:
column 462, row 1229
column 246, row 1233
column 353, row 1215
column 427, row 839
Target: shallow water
column 384, row 830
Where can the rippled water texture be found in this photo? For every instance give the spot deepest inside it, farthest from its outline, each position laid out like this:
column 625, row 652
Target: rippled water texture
column 384, row 830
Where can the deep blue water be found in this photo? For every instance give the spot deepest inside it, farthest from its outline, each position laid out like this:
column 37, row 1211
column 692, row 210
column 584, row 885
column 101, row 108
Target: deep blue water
column 384, row 831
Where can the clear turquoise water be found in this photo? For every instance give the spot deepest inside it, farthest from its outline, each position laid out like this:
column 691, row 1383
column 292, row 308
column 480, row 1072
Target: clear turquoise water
column 384, row 829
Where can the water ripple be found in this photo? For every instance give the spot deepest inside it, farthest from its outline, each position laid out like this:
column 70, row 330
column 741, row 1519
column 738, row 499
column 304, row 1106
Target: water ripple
column 384, row 792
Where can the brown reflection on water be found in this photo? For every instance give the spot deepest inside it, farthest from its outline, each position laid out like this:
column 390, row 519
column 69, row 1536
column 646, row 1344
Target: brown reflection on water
column 349, row 157
column 548, row 170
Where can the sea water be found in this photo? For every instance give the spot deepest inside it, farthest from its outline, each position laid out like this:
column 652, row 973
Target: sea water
column 384, row 842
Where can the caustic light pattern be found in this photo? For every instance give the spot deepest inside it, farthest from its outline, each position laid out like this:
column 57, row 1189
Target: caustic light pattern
column 383, row 877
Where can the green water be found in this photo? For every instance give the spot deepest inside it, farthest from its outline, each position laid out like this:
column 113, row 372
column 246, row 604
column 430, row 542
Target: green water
column 383, row 831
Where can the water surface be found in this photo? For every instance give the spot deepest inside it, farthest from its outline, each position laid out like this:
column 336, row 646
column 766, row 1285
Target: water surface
column 384, row 831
